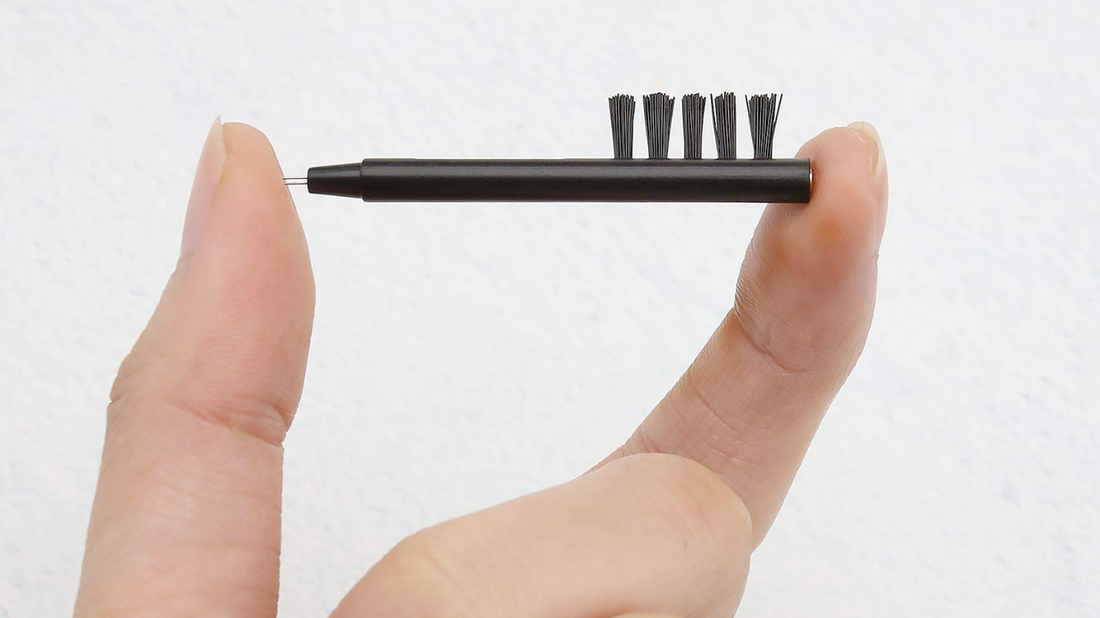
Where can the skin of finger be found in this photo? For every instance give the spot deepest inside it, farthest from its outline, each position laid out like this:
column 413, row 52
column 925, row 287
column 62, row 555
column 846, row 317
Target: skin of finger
column 751, row 402
column 187, row 512
column 649, row 533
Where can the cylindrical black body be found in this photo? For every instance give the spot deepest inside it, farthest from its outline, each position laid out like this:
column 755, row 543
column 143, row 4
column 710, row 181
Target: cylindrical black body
column 567, row 180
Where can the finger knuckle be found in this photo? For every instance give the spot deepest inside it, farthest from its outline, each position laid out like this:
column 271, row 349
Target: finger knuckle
column 781, row 343
column 145, row 388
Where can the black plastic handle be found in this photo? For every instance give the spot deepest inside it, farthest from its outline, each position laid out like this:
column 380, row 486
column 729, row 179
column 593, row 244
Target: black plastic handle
column 567, row 180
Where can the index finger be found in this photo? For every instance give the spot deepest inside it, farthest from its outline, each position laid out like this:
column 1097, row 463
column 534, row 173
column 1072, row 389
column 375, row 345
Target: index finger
column 751, row 402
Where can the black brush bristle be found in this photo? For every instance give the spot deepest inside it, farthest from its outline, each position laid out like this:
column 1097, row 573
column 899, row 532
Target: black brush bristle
column 724, row 113
column 622, row 125
column 693, row 110
column 658, row 123
column 763, row 114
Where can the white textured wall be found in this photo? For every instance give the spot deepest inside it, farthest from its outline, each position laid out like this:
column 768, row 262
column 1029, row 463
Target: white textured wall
column 466, row 354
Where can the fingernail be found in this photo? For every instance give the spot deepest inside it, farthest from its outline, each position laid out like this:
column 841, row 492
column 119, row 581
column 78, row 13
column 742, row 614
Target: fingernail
column 207, row 175
column 876, row 158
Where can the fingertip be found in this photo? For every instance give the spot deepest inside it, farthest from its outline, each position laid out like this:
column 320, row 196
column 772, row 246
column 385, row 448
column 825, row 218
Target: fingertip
column 253, row 199
column 841, row 228
column 246, row 140
column 251, row 159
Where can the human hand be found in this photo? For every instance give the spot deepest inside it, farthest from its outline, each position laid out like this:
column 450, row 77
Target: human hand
column 186, row 520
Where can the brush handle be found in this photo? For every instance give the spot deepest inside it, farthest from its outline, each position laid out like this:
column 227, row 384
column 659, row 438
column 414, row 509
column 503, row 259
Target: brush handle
column 567, row 180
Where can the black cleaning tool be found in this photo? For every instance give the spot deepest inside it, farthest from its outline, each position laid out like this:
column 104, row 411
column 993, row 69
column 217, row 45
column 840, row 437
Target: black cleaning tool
column 622, row 179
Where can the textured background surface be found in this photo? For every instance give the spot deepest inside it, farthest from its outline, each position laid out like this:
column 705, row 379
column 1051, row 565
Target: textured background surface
column 466, row 354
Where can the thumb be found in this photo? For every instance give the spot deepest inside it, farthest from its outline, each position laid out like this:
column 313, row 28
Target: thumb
column 187, row 509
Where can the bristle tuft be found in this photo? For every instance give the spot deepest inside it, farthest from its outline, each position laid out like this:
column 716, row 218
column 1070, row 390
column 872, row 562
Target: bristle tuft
column 724, row 113
column 763, row 114
column 622, row 125
column 658, row 123
column 693, row 110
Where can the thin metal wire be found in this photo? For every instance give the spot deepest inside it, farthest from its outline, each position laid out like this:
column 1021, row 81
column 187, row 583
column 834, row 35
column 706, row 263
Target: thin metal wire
column 294, row 181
